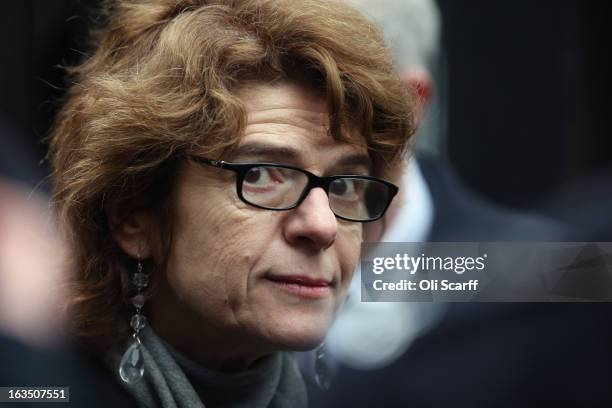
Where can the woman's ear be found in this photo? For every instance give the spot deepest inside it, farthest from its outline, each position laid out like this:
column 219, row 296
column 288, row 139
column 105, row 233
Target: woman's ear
column 134, row 231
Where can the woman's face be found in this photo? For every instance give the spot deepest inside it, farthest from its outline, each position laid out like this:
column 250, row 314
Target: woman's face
column 260, row 278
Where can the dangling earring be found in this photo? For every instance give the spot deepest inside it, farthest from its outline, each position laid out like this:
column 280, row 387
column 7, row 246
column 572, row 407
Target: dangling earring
column 322, row 371
column 131, row 368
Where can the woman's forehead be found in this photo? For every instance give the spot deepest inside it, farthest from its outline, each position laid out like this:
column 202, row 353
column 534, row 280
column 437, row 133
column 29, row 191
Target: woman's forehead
column 293, row 116
column 262, row 96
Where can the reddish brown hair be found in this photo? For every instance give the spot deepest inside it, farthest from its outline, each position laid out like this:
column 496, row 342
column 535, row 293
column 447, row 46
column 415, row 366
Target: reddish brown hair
column 162, row 82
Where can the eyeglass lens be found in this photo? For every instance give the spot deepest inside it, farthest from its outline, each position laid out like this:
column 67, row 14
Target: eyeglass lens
column 279, row 188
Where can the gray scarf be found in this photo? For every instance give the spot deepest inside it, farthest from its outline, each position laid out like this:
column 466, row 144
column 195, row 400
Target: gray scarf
column 275, row 382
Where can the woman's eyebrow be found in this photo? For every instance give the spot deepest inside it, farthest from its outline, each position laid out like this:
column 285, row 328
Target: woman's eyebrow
column 278, row 153
column 355, row 160
column 267, row 150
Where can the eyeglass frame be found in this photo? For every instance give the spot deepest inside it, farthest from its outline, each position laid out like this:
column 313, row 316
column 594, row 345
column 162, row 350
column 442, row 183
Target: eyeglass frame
column 314, row 181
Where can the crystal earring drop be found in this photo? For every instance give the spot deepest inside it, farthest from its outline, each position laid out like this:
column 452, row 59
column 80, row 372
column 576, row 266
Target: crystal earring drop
column 131, row 367
column 322, row 371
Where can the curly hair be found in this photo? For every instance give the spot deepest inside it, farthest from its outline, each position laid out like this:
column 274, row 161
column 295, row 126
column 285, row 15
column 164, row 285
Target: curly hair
column 163, row 81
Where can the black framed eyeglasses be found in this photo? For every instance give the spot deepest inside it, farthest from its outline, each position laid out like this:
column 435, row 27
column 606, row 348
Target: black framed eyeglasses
column 279, row 187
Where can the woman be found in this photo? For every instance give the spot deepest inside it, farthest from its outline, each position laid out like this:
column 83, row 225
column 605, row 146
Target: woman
column 196, row 165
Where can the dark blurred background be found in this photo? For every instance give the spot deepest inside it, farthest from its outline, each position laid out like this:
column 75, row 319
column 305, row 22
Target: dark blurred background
column 527, row 87
column 528, row 93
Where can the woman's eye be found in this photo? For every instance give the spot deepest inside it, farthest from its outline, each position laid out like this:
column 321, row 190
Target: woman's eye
column 264, row 176
column 342, row 188
column 258, row 175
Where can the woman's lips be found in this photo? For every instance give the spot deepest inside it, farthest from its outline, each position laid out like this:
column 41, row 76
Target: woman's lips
column 302, row 285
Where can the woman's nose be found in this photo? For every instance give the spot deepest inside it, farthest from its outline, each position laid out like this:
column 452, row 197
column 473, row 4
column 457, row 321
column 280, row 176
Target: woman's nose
column 312, row 222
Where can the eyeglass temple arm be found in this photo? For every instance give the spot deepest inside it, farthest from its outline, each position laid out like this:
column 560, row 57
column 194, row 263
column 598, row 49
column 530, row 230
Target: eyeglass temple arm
column 216, row 163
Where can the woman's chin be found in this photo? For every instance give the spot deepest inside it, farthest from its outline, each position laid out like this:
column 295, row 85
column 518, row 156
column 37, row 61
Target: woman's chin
column 299, row 335
column 304, row 343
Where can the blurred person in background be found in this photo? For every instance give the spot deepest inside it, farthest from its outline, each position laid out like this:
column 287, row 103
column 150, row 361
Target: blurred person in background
column 439, row 355
column 32, row 286
column 31, row 252
column 213, row 166
column 32, row 281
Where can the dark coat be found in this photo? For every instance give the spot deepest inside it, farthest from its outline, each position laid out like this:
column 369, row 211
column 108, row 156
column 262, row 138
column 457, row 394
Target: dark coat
column 91, row 384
